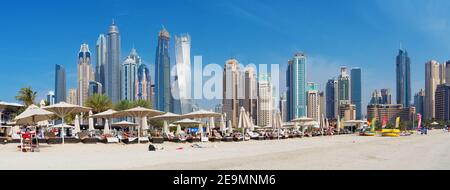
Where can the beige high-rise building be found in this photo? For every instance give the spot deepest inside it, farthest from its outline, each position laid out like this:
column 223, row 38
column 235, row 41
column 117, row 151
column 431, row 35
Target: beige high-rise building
column 251, row 93
column 265, row 103
column 85, row 74
column 231, row 90
column 347, row 112
column 72, row 97
column 313, row 103
column 433, row 76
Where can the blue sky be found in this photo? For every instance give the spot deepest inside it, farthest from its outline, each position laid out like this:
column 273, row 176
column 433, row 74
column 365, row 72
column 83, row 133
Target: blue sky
column 36, row 35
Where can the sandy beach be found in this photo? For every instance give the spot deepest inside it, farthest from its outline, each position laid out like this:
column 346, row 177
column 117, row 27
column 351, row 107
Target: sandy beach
column 347, row 152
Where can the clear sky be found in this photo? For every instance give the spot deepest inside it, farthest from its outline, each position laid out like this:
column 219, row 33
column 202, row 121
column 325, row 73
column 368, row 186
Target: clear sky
column 36, row 35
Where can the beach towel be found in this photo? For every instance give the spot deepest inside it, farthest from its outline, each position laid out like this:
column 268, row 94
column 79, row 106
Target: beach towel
column 180, row 148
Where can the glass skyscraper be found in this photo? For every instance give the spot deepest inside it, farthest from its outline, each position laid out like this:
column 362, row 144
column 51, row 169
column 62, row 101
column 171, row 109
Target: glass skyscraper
column 60, row 84
column 163, row 97
column 183, row 73
column 128, row 79
column 403, row 78
column 355, row 75
column 112, row 69
column 100, row 50
column 330, row 92
column 296, row 86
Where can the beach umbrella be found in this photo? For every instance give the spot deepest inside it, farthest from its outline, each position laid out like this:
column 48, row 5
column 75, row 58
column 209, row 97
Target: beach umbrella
column 77, row 124
column 223, row 126
column 338, row 124
column 166, row 128
column 91, row 121
column 296, row 127
column 186, row 122
column 64, row 109
column 145, row 123
column 106, row 127
column 201, row 114
column 242, row 119
column 8, row 106
column 213, row 125
column 200, row 129
column 138, row 112
column 178, row 132
column 104, row 115
column 32, row 115
column 167, row 117
column 230, row 127
column 124, row 124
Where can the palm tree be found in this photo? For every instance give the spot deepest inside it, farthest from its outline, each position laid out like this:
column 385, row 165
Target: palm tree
column 141, row 103
column 99, row 103
column 27, row 96
column 123, row 105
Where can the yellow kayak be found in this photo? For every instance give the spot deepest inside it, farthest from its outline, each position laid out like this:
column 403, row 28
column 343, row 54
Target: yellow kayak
column 368, row 134
column 390, row 132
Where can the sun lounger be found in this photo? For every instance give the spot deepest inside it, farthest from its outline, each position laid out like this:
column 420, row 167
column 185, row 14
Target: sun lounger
column 193, row 140
column 144, row 140
column 90, row 140
column 227, row 139
column 112, row 140
column 130, row 140
column 4, row 140
column 54, row 140
column 72, row 140
column 157, row 140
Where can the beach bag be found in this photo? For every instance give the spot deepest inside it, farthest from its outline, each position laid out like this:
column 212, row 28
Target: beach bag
column 151, row 148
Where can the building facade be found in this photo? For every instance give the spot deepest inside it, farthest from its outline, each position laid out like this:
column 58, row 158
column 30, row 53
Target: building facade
column 232, row 90
column 100, row 57
column 331, row 98
column 432, row 80
column 356, row 91
column 313, row 101
column 85, row 74
column 112, row 67
column 250, row 90
column 391, row 112
column 386, row 96
column 183, row 72
column 265, row 106
column 72, row 96
column 50, row 97
column 296, row 86
column 144, row 84
column 60, row 84
column 442, row 102
column 95, row 88
column 419, row 100
column 163, row 95
column 403, row 78
column 128, row 78
column 284, row 108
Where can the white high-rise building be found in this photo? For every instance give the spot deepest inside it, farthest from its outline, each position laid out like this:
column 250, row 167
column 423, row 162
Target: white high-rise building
column 182, row 91
column 128, row 76
column 85, row 74
column 100, row 51
column 265, row 101
column 232, row 94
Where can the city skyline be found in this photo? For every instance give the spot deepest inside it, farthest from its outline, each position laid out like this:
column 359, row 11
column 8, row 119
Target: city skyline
column 320, row 56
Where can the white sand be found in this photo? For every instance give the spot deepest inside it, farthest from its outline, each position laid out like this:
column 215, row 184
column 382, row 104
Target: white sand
column 338, row 152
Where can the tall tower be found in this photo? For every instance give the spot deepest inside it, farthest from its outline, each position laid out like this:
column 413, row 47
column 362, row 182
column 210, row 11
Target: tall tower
column 419, row 100
column 112, row 68
column 162, row 73
column 232, row 94
column 250, row 89
column 144, row 84
column 85, row 74
column 432, row 80
column 331, row 98
column 60, row 84
column 296, row 85
column 128, row 79
column 100, row 52
column 183, row 72
column 265, row 106
column 403, row 78
column 356, row 91
column 313, row 101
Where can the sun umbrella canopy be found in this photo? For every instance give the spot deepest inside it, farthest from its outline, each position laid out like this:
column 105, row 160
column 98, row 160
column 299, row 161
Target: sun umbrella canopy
column 124, row 124
column 167, row 116
column 166, row 128
column 5, row 105
column 32, row 115
column 138, row 112
column 201, row 114
column 187, row 122
column 62, row 125
column 302, row 119
column 106, row 129
column 91, row 121
column 223, row 126
column 63, row 109
column 178, row 130
column 106, row 114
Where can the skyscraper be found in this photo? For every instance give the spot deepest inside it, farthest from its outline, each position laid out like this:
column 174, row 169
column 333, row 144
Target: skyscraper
column 112, row 68
column 60, row 84
column 344, row 87
column 100, row 52
column 95, row 88
column 442, row 103
column 432, row 80
column 419, row 100
column 283, row 107
column 386, row 96
column 128, row 79
column 296, row 85
column 232, row 94
column 183, row 72
column 331, row 98
column 356, row 91
column 144, row 84
column 376, row 98
column 403, row 78
column 313, row 101
column 51, row 97
column 251, row 93
column 265, row 106
column 85, row 74
column 72, row 97
column 163, row 94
